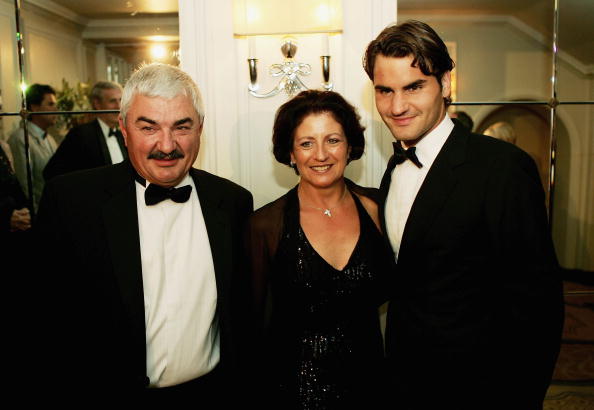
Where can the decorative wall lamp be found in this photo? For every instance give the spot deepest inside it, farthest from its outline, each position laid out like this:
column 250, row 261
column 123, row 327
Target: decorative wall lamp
column 272, row 17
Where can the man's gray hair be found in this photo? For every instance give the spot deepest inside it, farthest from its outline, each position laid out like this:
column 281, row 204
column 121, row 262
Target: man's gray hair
column 161, row 80
column 97, row 90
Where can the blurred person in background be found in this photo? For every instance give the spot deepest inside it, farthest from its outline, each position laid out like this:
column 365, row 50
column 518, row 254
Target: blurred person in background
column 42, row 146
column 96, row 143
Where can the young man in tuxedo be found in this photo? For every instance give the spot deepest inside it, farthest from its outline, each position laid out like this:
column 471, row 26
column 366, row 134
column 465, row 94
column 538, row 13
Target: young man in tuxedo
column 476, row 313
column 146, row 289
column 96, row 143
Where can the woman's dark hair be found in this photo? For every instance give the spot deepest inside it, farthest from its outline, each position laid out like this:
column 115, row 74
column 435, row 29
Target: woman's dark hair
column 411, row 38
column 290, row 115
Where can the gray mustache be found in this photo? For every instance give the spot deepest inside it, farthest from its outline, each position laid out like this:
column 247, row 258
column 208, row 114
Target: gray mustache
column 175, row 154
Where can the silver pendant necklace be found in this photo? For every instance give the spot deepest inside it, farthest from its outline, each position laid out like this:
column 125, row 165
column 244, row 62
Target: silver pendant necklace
column 328, row 211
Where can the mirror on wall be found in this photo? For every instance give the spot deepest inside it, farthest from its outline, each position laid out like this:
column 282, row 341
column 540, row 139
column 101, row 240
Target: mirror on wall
column 503, row 52
column 65, row 47
column 71, row 44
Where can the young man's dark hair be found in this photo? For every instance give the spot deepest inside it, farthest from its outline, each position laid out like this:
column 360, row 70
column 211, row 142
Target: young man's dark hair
column 411, row 38
column 36, row 92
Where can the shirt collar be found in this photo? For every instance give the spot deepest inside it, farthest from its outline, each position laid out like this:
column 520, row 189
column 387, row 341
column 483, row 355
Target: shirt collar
column 104, row 127
column 430, row 145
column 35, row 131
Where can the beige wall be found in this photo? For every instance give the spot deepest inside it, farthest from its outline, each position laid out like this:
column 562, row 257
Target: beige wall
column 8, row 65
column 54, row 47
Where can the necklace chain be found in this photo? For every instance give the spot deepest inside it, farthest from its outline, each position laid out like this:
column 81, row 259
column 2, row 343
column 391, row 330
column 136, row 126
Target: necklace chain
column 327, row 211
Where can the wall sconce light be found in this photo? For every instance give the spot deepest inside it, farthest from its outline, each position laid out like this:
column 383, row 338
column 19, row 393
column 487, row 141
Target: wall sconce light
column 272, row 17
column 158, row 51
column 289, row 71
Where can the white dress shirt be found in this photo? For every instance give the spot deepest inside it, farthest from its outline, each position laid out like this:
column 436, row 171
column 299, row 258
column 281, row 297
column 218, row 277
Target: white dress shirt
column 180, row 294
column 115, row 152
column 407, row 179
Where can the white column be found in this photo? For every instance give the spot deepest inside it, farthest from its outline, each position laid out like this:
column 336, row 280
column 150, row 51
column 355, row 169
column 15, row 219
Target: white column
column 363, row 21
column 207, row 53
column 100, row 63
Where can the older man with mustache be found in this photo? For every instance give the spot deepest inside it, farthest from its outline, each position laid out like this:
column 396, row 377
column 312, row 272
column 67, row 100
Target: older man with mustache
column 146, row 301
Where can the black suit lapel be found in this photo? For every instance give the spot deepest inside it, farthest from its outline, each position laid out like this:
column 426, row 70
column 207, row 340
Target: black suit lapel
column 122, row 144
column 383, row 193
column 100, row 138
column 436, row 188
column 218, row 229
column 121, row 228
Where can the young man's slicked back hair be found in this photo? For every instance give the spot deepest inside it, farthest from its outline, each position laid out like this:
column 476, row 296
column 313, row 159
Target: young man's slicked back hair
column 411, row 38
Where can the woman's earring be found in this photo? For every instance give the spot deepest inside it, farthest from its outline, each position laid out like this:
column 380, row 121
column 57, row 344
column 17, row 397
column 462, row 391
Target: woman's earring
column 292, row 164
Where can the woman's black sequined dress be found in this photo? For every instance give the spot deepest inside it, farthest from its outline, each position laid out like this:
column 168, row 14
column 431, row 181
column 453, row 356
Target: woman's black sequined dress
column 326, row 346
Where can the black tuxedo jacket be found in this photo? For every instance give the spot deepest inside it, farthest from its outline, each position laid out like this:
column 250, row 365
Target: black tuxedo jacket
column 93, row 290
column 476, row 313
column 83, row 147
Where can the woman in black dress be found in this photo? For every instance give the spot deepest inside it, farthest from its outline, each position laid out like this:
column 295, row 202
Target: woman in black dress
column 319, row 266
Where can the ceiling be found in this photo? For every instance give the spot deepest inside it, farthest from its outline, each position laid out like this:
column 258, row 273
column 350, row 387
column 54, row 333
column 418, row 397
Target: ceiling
column 576, row 30
column 127, row 28
column 92, row 9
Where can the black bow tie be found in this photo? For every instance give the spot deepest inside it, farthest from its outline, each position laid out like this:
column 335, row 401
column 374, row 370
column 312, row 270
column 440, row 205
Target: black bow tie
column 155, row 194
column 112, row 132
column 401, row 155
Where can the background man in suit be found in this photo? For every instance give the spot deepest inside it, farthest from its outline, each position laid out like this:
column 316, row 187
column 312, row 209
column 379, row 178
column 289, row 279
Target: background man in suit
column 93, row 144
column 40, row 97
column 476, row 315
column 146, row 299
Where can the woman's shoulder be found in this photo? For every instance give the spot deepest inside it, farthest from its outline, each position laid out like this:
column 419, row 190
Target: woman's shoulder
column 271, row 213
column 363, row 192
column 369, row 198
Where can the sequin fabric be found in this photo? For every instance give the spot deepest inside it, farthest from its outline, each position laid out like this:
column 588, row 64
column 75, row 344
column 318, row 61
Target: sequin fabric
column 325, row 327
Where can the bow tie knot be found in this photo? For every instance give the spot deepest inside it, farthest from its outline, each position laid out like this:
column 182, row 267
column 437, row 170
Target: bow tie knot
column 401, row 154
column 156, row 193
column 112, row 132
